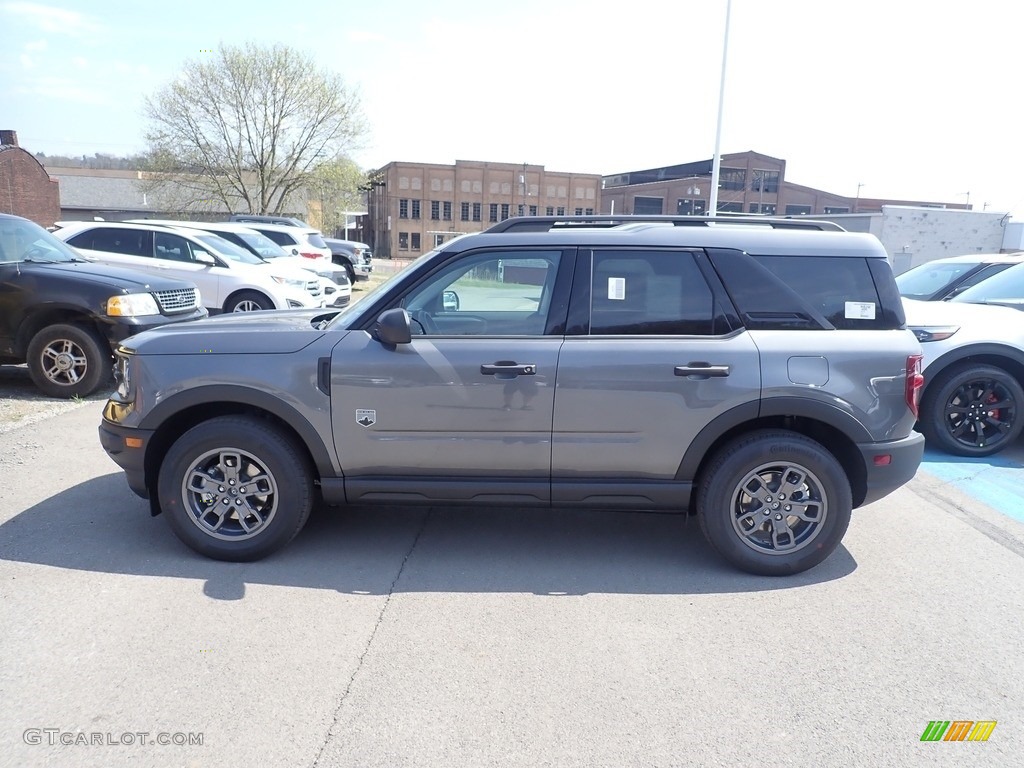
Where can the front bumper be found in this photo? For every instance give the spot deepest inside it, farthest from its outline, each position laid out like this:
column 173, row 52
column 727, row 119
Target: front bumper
column 129, row 455
column 904, row 458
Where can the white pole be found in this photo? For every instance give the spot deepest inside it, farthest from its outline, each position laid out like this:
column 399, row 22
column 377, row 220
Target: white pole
column 716, row 161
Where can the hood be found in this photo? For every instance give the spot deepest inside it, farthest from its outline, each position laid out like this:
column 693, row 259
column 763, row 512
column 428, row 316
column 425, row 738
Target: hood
column 937, row 313
column 275, row 332
column 117, row 278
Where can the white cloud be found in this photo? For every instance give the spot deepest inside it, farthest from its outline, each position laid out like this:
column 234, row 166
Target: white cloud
column 51, row 19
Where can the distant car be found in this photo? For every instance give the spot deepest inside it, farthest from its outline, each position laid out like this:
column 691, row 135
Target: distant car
column 230, row 278
column 942, row 279
column 973, row 401
column 1005, row 289
column 334, row 280
column 298, row 241
column 252, row 218
column 354, row 256
column 64, row 316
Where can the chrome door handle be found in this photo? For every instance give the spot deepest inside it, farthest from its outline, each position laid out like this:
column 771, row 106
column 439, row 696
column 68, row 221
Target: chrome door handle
column 508, row 368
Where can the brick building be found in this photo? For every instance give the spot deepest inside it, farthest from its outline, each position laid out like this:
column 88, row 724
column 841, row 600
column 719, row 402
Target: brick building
column 26, row 189
column 414, row 207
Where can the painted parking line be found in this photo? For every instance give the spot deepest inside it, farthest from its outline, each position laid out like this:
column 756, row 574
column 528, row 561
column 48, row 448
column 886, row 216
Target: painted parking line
column 994, row 480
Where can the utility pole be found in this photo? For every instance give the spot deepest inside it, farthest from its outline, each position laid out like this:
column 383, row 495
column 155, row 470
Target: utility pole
column 716, row 161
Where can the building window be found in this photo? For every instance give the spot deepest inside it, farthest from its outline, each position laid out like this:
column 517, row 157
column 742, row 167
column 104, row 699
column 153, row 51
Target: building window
column 561, row 211
column 533, row 210
column 403, row 241
column 435, row 210
column 476, row 211
column 415, row 209
column 438, row 241
column 688, row 207
column 579, row 211
column 403, row 209
column 835, row 209
column 590, row 211
column 765, row 181
column 730, row 207
column 464, row 209
column 798, row 210
column 415, row 241
column 766, row 208
column 504, row 211
column 549, row 211
column 648, row 206
column 493, row 212
column 732, row 178
column 446, row 209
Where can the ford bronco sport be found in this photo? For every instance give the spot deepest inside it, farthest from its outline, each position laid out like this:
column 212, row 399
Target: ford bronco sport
column 754, row 372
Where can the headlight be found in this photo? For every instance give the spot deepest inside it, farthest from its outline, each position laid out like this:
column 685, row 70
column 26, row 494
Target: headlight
column 132, row 305
column 301, row 284
column 123, row 373
column 927, row 333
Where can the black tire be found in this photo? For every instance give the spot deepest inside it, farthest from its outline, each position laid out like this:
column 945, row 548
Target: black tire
column 68, row 361
column 248, row 301
column 343, row 261
column 766, row 462
column 972, row 410
column 237, row 463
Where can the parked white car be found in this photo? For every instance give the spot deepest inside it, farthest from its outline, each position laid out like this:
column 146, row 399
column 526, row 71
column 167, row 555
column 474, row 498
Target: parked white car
column 973, row 399
column 334, row 280
column 229, row 278
column 298, row 241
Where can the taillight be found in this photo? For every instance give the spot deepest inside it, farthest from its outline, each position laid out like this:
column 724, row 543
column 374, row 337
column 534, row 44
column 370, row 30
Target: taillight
column 915, row 382
column 305, row 255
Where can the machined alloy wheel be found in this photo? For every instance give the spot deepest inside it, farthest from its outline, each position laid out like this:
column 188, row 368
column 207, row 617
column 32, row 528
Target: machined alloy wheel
column 68, row 361
column 774, row 502
column 236, row 487
column 973, row 410
column 248, row 301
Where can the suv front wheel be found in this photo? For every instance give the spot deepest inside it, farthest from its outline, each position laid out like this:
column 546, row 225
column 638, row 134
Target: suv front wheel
column 774, row 503
column 68, row 361
column 235, row 488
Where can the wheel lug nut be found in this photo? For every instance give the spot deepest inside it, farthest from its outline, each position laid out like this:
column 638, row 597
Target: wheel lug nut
column 231, row 482
column 225, row 501
column 788, row 508
column 778, row 517
column 769, row 499
column 767, row 512
column 220, row 488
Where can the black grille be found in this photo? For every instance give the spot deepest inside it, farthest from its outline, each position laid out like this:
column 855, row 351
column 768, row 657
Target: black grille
column 177, row 300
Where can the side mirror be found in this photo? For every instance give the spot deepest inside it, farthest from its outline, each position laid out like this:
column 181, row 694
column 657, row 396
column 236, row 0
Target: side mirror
column 393, row 327
column 204, row 258
column 450, row 301
column 295, row 251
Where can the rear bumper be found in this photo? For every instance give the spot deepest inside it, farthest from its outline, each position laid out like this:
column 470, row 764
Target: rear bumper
column 904, row 458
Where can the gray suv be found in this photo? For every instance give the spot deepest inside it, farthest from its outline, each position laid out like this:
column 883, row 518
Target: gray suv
column 755, row 373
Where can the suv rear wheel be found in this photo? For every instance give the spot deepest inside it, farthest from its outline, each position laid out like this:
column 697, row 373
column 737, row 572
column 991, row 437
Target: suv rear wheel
column 774, row 503
column 234, row 488
column 973, row 410
column 68, row 361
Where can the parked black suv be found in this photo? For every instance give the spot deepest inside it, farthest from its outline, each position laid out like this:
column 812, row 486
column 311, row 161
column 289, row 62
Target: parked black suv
column 63, row 315
column 757, row 373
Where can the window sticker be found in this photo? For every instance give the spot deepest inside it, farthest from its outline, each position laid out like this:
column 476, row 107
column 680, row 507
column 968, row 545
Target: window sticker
column 860, row 310
column 617, row 288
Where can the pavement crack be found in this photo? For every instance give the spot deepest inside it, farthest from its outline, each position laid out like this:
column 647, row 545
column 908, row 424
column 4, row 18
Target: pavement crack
column 370, row 639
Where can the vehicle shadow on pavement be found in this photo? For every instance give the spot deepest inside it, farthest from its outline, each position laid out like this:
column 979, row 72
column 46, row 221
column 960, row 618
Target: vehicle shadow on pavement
column 101, row 526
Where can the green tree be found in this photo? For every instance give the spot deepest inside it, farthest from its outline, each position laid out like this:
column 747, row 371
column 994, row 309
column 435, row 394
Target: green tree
column 335, row 188
column 248, row 128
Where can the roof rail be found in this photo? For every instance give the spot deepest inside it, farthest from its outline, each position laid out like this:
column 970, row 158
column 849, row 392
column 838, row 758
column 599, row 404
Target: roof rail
column 549, row 223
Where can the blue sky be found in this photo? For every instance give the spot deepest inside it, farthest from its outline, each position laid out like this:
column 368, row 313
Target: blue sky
column 913, row 99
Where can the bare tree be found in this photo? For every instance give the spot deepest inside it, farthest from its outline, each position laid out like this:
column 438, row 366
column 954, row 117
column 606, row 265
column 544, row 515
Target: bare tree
column 334, row 189
column 248, row 127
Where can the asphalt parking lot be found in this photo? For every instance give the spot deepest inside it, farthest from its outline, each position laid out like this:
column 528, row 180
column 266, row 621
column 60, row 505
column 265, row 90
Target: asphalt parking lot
column 486, row 637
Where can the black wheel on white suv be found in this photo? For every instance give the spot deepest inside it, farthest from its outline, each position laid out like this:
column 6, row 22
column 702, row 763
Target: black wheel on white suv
column 972, row 410
column 774, row 502
column 235, row 488
column 67, row 360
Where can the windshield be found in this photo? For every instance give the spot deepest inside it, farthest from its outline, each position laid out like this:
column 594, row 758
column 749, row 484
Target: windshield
column 25, row 241
column 925, row 280
column 263, row 245
column 354, row 310
column 228, row 250
column 1008, row 285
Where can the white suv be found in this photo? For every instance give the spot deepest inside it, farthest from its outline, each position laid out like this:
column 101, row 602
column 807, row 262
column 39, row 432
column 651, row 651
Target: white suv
column 229, row 278
column 334, row 280
column 298, row 241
